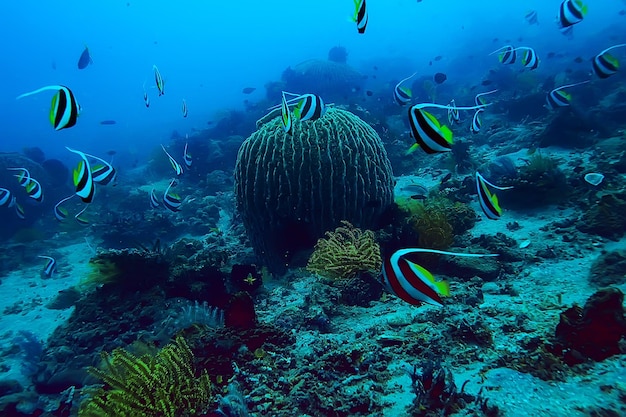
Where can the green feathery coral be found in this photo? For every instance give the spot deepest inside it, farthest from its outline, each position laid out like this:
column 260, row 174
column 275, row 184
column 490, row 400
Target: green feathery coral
column 163, row 385
column 345, row 253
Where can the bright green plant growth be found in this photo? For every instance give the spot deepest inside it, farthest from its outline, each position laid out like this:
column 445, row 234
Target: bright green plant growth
column 163, row 385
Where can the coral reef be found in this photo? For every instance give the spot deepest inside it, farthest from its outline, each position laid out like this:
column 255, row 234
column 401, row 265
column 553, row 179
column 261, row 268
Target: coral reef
column 606, row 218
column 290, row 190
column 539, row 182
column 594, row 331
column 345, row 253
column 609, row 269
column 160, row 386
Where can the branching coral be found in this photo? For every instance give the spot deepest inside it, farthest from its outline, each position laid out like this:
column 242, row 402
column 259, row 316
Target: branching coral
column 345, row 253
column 163, row 385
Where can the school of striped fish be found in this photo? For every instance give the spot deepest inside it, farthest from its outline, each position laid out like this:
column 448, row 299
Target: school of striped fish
column 403, row 278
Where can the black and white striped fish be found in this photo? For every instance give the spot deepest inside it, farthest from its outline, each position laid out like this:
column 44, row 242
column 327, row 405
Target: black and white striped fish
column 476, row 122
column 34, row 190
column 413, row 283
column 184, row 108
column 507, row 54
column 286, row 116
column 177, row 167
column 6, row 198
column 103, row 173
column 23, row 178
column 604, row 64
column 428, row 133
column 488, row 201
column 158, row 80
column 571, row 12
column 171, row 201
column 64, row 110
column 559, row 98
column 154, row 201
column 530, row 59
column 83, row 178
column 187, row 157
column 61, row 213
column 360, row 15
column 403, row 95
column 50, row 267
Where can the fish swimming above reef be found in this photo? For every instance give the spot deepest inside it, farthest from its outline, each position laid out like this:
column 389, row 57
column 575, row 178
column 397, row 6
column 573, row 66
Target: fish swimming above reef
column 403, row 95
column 83, row 178
column 570, row 13
column 488, row 201
column 85, row 59
column 428, row 133
column 360, row 15
column 604, row 64
column 413, row 283
column 50, row 267
column 64, row 110
column 248, row 90
column 559, row 98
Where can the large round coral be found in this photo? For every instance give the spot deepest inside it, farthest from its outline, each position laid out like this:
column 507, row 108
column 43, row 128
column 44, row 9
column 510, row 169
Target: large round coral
column 290, row 190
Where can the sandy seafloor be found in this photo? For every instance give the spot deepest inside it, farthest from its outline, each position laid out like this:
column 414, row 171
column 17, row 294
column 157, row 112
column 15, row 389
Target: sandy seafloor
column 546, row 288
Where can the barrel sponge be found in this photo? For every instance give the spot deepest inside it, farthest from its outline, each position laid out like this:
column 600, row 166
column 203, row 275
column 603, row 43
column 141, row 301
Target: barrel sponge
column 290, row 190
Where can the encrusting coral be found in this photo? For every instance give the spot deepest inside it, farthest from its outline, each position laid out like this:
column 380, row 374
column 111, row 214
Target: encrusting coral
column 163, row 385
column 345, row 253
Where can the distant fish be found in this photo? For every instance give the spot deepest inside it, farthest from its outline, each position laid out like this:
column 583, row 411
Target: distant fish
column 64, row 110
column 154, row 201
column 187, row 157
column 360, row 15
column 506, row 54
column 85, row 59
column 369, row 93
column 559, row 98
column 184, row 108
column 604, row 64
column 413, row 283
column 34, row 190
column 108, row 122
column 488, row 202
column 59, row 212
column 23, row 178
column 485, row 82
column 579, row 60
column 419, row 197
column 248, row 90
column 403, row 95
column 437, row 58
column 551, row 55
column 83, row 178
column 531, row 17
column 286, row 116
column 571, row 12
column 445, row 178
column 453, row 113
column 171, row 201
column 146, row 99
column 6, row 198
column 476, row 122
column 158, row 80
column 51, row 266
column 177, row 167
column 440, row 77
column 479, row 100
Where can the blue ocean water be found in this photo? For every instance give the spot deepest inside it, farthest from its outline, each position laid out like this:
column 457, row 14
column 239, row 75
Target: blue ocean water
column 230, row 264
